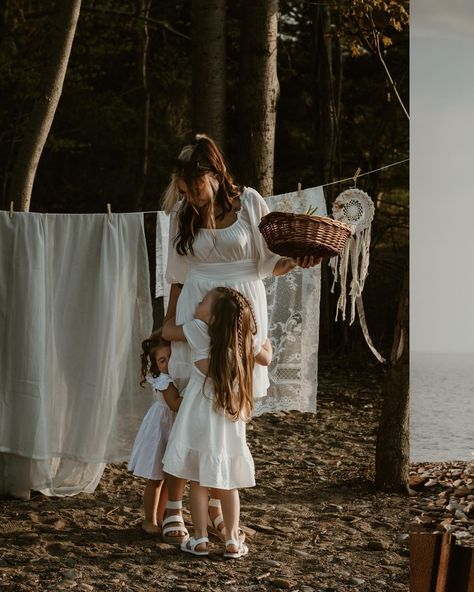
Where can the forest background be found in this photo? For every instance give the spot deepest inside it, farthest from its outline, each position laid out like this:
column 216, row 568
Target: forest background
column 133, row 95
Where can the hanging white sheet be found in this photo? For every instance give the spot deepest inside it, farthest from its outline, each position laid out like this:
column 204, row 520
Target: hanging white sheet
column 293, row 309
column 74, row 306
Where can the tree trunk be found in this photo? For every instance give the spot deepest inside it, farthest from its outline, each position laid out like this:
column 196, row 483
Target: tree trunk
column 327, row 82
column 143, row 10
column 209, row 68
column 42, row 116
column 392, row 450
column 258, row 92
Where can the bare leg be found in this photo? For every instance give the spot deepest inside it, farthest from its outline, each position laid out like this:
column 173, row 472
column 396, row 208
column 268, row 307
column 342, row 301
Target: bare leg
column 199, row 498
column 175, row 487
column 160, row 512
column 231, row 511
column 215, row 511
column 151, row 496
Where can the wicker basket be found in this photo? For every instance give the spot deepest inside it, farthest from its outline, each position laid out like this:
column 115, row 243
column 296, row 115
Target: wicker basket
column 299, row 235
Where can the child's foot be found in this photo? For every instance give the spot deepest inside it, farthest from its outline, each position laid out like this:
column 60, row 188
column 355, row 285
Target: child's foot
column 151, row 528
column 215, row 522
column 235, row 549
column 174, row 531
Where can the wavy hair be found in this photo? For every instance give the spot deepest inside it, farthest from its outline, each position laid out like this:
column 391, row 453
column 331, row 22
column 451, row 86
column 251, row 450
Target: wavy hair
column 231, row 359
column 193, row 163
column 149, row 346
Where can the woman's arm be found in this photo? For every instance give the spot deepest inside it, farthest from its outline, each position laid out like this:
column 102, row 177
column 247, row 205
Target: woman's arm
column 171, row 397
column 286, row 264
column 264, row 356
column 175, row 291
column 173, row 332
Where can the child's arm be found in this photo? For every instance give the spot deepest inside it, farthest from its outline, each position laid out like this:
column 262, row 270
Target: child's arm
column 264, row 356
column 173, row 332
column 171, row 397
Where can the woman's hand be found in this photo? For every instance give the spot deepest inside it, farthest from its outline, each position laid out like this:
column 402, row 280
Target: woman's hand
column 308, row 261
column 286, row 264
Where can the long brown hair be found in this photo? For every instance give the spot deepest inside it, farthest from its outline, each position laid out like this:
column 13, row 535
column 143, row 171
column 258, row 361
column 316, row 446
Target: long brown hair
column 194, row 162
column 231, row 360
column 149, row 346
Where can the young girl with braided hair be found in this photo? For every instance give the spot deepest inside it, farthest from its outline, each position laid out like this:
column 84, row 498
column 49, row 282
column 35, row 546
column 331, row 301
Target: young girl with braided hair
column 152, row 437
column 207, row 444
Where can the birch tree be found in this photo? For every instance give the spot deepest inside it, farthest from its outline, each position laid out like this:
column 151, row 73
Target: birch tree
column 42, row 116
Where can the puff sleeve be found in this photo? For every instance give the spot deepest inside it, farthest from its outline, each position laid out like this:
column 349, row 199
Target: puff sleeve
column 161, row 382
column 197, row 336
column 257, row 208
column 176, row 266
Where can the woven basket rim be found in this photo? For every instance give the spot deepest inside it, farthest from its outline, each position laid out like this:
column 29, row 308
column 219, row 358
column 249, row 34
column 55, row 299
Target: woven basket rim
column 309, row 218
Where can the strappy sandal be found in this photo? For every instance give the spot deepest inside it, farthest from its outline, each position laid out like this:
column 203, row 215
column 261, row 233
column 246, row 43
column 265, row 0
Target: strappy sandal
column 242, row 549
column 174, row 523
column 213, row 525
column 190, row 546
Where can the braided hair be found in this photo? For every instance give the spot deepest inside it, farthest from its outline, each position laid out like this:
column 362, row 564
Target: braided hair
column 231, row 360
column 149, row 346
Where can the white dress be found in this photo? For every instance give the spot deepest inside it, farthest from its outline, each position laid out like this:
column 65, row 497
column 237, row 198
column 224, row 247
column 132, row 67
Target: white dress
column 206, row 446
column 237, row 257
column 149, row 447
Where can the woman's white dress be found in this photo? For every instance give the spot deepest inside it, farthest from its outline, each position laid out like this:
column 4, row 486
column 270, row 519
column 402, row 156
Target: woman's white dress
column 150, row 443
column 206, row 446
column 237, row 257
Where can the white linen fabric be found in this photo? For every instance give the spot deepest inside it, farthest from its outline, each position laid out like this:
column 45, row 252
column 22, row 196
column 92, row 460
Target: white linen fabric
column 206, row 446
column 74, row 307
column 149, row 447
column 293, row 303
column 236, row 256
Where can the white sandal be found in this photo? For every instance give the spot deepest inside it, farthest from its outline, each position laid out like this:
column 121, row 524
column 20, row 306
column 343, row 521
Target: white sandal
column 213, row 525
column 175, row 522
column 242, row 549
column 190, row 546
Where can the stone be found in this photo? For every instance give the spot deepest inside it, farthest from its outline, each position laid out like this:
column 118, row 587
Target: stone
column 375, row 545
column 356, row 581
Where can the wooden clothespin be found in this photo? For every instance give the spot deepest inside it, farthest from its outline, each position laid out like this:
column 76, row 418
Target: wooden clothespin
column 109, row 211
column 11, row 210
column 356, row 174
column 300, row 195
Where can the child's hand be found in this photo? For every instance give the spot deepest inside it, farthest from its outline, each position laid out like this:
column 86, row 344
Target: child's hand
column 264, row 356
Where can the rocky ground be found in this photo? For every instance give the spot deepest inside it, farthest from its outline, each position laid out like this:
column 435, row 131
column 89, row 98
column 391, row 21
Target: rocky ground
column 443, row 499
column 319, row 523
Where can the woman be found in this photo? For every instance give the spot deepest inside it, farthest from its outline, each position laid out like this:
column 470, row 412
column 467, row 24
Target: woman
column 214, row 241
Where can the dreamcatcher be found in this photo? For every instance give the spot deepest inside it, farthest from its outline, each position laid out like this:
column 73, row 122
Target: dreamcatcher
column 354, row 207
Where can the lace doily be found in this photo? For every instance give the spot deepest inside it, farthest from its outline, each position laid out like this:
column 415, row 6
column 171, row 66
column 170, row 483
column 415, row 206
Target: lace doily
column 354, row 207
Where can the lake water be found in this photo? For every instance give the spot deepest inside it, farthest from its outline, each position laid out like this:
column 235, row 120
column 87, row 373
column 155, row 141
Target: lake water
column 442, row 407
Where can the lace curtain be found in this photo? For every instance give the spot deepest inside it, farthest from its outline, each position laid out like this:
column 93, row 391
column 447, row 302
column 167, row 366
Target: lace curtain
column 293, row 311
column 74, row 306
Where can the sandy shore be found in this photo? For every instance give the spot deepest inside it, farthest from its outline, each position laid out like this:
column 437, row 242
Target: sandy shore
column 319, row 523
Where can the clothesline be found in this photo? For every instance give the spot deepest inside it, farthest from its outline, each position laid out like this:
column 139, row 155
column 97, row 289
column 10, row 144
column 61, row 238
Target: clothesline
column 353, row 178
column 387, row 166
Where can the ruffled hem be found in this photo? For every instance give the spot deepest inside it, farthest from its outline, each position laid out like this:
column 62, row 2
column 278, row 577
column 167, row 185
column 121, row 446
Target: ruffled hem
column 208, row 469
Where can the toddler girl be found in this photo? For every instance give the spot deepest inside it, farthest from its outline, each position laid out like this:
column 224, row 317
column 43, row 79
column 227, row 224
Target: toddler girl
column 207, row 444
column 152, row 437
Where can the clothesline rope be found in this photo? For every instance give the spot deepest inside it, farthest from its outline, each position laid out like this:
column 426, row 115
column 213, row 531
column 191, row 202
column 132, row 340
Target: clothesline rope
column 387, row 166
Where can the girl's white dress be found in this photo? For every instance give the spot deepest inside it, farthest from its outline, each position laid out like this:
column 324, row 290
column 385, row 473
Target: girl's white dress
column 237, row 257
column 149, row 447
column 206, row 446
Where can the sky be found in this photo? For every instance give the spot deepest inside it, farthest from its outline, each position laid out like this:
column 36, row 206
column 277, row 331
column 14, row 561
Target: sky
column 442, row 176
